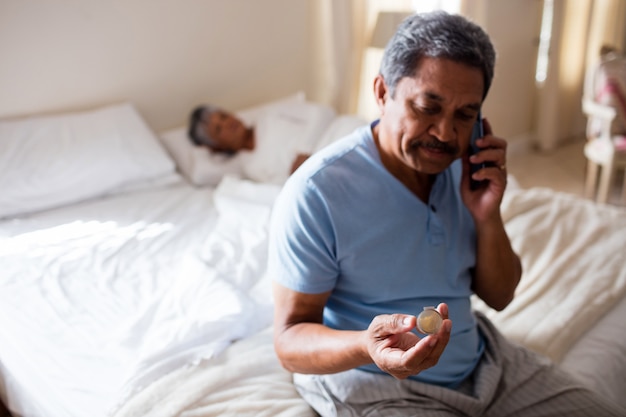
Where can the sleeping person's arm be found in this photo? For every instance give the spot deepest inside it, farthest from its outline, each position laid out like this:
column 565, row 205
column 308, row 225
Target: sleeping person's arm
column 298, row 160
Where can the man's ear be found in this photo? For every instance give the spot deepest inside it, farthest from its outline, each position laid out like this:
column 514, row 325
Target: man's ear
column 380, row 92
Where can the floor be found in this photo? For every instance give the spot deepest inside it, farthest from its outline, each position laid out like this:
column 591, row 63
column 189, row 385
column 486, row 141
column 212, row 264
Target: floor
column 563, row 169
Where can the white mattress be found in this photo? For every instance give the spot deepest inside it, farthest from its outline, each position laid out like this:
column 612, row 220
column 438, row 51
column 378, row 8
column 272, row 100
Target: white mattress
column 100, row 298
column 562, row 240
column 246, row 380
column 129, row 305
column 598, row 358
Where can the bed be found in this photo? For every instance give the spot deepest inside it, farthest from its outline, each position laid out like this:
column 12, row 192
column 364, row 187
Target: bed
column 133, row 278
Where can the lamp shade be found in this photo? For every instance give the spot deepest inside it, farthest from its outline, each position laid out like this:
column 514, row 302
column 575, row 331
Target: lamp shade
column 386, row 24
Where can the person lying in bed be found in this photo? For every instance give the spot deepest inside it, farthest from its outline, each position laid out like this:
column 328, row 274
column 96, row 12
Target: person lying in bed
column 382, row 223
column 223, row 132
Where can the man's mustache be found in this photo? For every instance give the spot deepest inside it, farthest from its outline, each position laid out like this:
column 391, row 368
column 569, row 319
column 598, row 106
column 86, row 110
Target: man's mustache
column 436, row 145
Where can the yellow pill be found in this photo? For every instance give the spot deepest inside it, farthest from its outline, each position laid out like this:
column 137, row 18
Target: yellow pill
column 429, row 321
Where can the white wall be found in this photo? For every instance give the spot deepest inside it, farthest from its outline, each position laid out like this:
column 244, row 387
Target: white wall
column 513, row 26
column 163, row 55
column 166, row 56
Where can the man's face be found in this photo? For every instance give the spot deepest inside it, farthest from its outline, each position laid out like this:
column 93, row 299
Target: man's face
column 428, row 124
column 226, row 130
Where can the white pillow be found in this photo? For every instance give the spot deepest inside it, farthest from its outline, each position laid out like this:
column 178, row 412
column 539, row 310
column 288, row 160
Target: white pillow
column 281, row 134
column 51, row 161
column 341, row 126
column 197, row 164
column 242, row 198
column 283, row 128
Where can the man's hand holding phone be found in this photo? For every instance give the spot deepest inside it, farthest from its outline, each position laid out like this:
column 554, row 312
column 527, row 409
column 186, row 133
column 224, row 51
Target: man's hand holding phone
column 487, row 160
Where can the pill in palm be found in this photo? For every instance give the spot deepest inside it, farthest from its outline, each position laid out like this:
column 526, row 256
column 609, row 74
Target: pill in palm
column 429, row 321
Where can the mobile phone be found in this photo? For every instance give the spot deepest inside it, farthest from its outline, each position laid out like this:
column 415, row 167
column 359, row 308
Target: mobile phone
column 477, row 132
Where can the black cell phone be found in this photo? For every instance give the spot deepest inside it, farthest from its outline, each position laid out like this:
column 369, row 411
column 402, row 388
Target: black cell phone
column 477, row 132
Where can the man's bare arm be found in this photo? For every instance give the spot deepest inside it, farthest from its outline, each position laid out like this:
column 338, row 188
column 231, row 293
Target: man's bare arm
column 305, row 345
column 498, row 268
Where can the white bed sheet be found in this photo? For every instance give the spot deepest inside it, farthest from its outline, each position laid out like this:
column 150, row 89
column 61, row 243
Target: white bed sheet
column 99, row 299
column 247, row 380
column 598, row 358
column 142, row 294
column 572, row 253
column 592, row 349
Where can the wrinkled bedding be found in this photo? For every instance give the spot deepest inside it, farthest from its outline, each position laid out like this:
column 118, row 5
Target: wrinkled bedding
column 573, row 286
column 100, row 299
column 573, row 256
column 156, row 303
column 246, row 380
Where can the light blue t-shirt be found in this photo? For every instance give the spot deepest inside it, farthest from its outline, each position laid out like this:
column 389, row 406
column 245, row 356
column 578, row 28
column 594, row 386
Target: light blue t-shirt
column 344, row 223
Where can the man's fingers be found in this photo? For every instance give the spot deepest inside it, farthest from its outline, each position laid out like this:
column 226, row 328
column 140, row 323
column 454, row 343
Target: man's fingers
column 388, row 324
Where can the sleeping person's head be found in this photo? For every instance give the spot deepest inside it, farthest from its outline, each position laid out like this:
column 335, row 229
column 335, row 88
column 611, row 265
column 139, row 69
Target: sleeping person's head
column 219, row 130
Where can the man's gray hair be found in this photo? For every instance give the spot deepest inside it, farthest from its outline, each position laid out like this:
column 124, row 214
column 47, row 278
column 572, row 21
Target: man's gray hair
column 436, row 35
column 196, row 132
